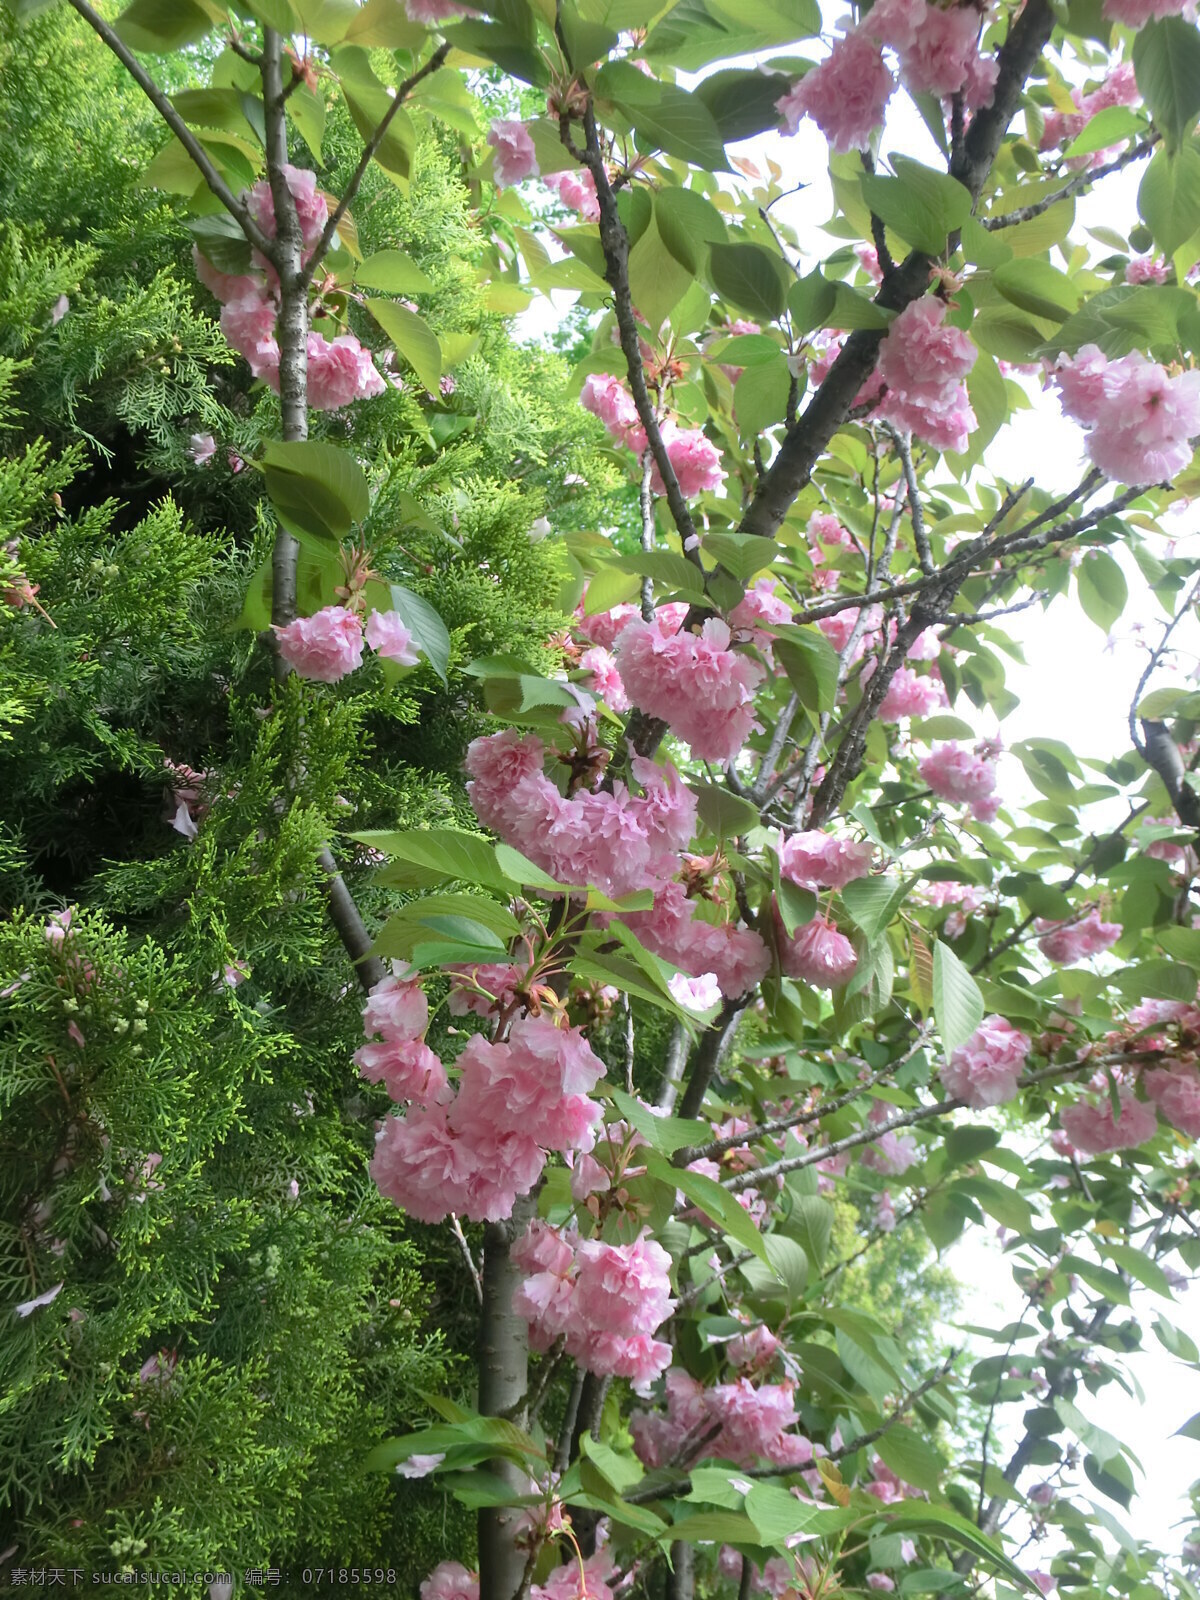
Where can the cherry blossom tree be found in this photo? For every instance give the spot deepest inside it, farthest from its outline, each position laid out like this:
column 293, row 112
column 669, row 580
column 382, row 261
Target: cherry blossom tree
column 761, row 796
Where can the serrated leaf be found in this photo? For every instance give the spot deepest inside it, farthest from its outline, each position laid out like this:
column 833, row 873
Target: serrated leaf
column 750, row 278
column 413, row 338
column 957, row 1001
column 315, row 488
column 873, row 902
column 392, row 272
column 1166, row 62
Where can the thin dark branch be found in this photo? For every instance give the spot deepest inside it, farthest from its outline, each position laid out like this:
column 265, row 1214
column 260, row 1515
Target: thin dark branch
column 369, row 149
column 1085, row 180
column 196, row 151
column 900, row 1409
column 1156, row 656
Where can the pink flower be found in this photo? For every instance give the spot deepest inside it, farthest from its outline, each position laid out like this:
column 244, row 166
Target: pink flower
column 603, row 678
column 1044, row 1581
column 225, row 286
column 323, row 647
column 923, row 362
column 896, row 23
column 340, row 372
column 824, row 528
column 396, row 1008
column 450, row 1580
column 910, row 696
column 1147, row 269
column 1067, row 942
column 819, row 861
column 568, row 1582
column 940, row 57
column 880, row 1580
column 430, row 1167
column 987, row 1069
column 1142, row 420
column 602, row 628
column 1136, row 13
column 846, row 95
column 544, row 1248
column 516, row 158
column 407, row 1068
column 695, row 994
column 623, row 1289
column 1176, row 1093
column 1091, row 1128
column 418, row 1466
column 202, row 447
column 702, row 689
column 892, row 1153
column 576, row 190
column 818, row 954
column 955, row 774
column 501, row 981
column 310, row 205
column 536, row 1084
column 249, row 327
column 388, row 637
column 751, row 1424
column 759, row 608
column 755, row 1349
column 868, row 260
column 606, row 397
column 736, row 957
column 696, row 460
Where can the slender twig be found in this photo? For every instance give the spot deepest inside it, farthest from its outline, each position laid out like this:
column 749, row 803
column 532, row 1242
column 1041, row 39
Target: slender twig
column 1010, row 219
column 236, row 208
column 1156, row 656
column 916, row 514
column 369, row 149
column 900, row 1409
column 465, row 1248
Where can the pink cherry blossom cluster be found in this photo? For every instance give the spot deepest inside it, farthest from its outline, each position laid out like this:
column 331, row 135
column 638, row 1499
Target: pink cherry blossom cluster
column 693, row 456
column 340, row 370
column 759, row 610
column 516, row 158
column 577, row 190
column 737, row 1422
column 430, row 13
column 1176, row 1093
column 987, row 1069
column 892, row 1153
column 329, row 644
column 1137, row 13
column 591, row 1580
column 617, row 842
column 1118, row 89
column 963, row 776
column 817, row 954
column 1070, row 941
column 486, row 990
column 474, row 1152
column 1140, row 419
column 963, row 897
column 1092, row 1128
column 817, row 860
column 395, row 1017
column 923, row 362
column 847, row 94
column 910, row 695
column 605, row 1301
column 700, row 687
column 736, row 957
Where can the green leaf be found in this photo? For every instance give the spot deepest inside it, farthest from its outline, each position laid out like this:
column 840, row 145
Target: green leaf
column 1102, row 588
column 621, row 1472
column 921, row 205
column 708, row 1196
column 1105, row 1282
column 221, row 241
column 750, row 278
column 910, row 1458
column 1101, row 1444
column 1174, row 1339
column 1107, row 128
column 699, row 31
column 413, row 338
column 1037, row 287
column 157, row 26
column 368, row 103
column 1124, row 318
column 657, row 279
column 1169, row 196
column 446, row 851
column 383, row 25
column 664, row 1134
column 912, row 1516
column 493, row 1436
column 742, row 554
column 811, row 664
column 307, row 111
column 957, row 1002
column 664, row 116
column 725, row 815
column 392, row 272
column 742, row 103
column 812, row 1223
column 1156, row 980
column 810, row 302
column 315, row 488
column 687, row 222
column 426, row 626
column 760, row 397
column 873, row 902
column 797, row 906
column 1166, row 62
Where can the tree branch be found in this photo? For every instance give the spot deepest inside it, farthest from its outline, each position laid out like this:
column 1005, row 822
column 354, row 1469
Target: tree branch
column 196, row 151
column 1010, row 219
column 369, row 150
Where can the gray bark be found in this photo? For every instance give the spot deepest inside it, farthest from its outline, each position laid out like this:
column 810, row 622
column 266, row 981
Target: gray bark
column 503, row 1379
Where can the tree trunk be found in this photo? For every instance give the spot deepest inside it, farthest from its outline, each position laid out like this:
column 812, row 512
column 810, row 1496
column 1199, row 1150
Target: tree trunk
column 503, row 1376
